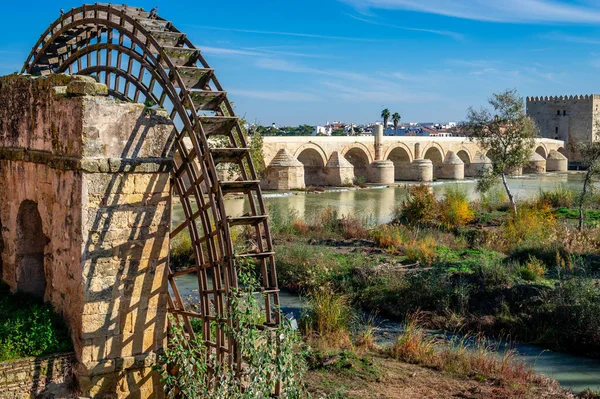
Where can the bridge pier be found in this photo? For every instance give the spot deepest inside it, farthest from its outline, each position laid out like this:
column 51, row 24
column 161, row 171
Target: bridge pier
column 478, row 166
column 452, row 168
column 536, row 164
column 556, row 162
column 339, row 171
column 421, row 170
column 284, row 173
column 382, row 172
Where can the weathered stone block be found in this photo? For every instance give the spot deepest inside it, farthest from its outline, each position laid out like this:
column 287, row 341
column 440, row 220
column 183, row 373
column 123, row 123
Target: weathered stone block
column 86, row 86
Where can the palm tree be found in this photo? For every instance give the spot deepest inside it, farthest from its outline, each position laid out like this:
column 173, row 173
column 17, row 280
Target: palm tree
column 385, row 114
column 396, row 119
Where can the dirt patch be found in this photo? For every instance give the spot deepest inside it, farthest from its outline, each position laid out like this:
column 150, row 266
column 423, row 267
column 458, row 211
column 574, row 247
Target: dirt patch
column 395, row 379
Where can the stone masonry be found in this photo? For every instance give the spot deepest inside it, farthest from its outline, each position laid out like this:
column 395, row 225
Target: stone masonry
column 92, row 173
column 573, row 119
column 340, row 160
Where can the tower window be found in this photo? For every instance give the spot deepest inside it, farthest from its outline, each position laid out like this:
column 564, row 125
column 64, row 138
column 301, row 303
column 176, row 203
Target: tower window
column 564, row 112
column 558, row 113
column 556, row 131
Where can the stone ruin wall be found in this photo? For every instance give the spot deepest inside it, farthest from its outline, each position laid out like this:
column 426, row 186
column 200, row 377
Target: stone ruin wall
column 97, row 171
column 574, row 127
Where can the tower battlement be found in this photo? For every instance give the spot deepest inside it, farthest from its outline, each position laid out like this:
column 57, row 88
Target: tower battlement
column 578, row 97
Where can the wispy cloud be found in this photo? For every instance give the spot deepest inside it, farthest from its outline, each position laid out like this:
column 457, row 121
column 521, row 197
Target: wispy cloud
column 570, row 38
column 387, row 93
column 517, row 11
column 228, row 51
column 454, row 35
column 294, row 34
column 353, row 86
column 275, row 95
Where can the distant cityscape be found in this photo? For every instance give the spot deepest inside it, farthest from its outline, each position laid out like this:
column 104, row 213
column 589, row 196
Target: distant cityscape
column 338, row 128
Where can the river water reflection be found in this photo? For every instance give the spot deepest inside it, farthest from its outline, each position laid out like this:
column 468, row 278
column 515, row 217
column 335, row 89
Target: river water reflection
column 378, row 202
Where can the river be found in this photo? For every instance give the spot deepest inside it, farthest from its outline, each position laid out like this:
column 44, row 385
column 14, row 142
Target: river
column 377, row 202
column 574, row 372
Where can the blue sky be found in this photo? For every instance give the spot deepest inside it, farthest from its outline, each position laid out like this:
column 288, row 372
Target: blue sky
column 309, row 61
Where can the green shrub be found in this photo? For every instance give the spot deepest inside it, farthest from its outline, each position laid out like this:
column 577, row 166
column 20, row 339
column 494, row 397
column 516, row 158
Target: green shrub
column 560, row 197
column 282, row 220
column 420, row 206
column 307, row 267
column 182, row 253
column 494, row 199
column 455, row 208
column 533, row 270
column 29, row 327
column 270, row 357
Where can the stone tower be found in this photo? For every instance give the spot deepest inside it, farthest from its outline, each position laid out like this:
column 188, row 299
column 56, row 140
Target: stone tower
column 573, row 119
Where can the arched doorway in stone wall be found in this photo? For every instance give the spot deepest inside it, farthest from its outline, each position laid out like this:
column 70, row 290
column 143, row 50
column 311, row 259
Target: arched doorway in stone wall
column 360, row 160
column 314, row 168
column 31, row 273
column 399, row 156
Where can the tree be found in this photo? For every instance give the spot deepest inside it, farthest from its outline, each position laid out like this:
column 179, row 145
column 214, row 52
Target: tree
column 507, row 135
column 396, row 119
column 590, row 159
column 385, row 115
column 256, row 152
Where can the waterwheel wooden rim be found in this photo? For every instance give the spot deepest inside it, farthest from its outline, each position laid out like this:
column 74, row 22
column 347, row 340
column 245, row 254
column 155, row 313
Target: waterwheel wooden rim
column 142, row 57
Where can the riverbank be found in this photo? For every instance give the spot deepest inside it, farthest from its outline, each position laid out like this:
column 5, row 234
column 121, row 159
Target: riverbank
column 468, row 266
column 465, row 266
column 377, row 376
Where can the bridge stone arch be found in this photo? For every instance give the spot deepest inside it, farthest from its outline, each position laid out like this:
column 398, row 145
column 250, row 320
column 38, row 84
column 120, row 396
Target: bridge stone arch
column 541, row 150
column 314, row 166
column 138, row 57
column 317, row 148
column 435, row 153
column 360, row 157
column 465, row 155
column 400, row 155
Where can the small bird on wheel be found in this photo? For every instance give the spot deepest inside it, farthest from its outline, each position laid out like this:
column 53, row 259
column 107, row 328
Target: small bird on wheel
column 153, row 13
column 62, row 12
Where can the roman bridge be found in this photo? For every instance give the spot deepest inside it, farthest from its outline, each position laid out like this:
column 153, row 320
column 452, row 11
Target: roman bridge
column 296, row 162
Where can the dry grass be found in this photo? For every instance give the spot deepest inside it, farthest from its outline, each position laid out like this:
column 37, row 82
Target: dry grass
column 353, row 228
column 413, row 345
column 422, row 251
column 300, row 227
column 327, row 319
column 390, row 236
column 471, row 356
column 365, row 336
column 534, row 224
